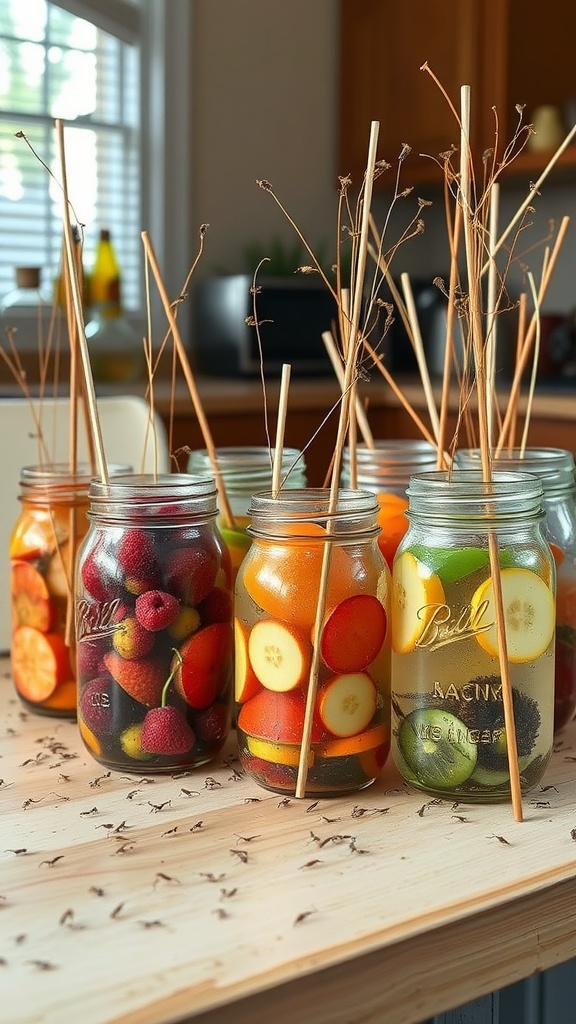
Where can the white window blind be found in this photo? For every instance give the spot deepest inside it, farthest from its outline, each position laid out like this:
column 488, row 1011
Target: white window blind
column 56, row 64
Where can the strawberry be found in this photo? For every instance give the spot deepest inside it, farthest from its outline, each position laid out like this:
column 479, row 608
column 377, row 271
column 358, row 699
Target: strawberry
column 166, row 731
column 143, row 679
column 137, row 560
column 95, row 705
column 155, row 609
column 211, row 724
column 216, row 607
column 191, row 573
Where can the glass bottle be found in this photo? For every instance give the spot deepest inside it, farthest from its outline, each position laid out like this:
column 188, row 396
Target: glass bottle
column 27, row 308
column 44, row 541
column 280, row 610
column 385, row 470
column 154, row 624
column 116, row 351
column 555, row 468
column 244, row 471
column 449, row 736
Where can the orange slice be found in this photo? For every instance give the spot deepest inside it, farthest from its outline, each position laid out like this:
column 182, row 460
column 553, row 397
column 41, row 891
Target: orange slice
column 39, row 661
column 529, row 614
column 416, row 595
column 368, row 740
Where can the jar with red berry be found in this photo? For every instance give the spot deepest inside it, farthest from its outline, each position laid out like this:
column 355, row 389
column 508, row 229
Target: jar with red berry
column 43, row 546
column 555, row 468
column 385, row 468
column 154, row 624
column 312, row 652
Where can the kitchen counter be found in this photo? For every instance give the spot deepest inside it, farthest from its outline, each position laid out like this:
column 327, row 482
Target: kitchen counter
column 201, row 897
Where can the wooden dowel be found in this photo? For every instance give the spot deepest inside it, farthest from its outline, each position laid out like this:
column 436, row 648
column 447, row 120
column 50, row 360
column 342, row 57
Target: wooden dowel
column 280, row 430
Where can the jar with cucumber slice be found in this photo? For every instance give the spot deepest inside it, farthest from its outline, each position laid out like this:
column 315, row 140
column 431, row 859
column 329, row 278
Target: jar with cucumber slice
column 448, row 726
column 312, row 643
column 244, row 471
column 555, row 468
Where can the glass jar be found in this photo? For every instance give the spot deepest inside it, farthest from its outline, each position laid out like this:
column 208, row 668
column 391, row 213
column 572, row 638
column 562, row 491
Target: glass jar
column 43, row 545
column 154, row 624
column 555, row 468
column 292, row 634
column 449, row 736
column 244, row 471
column 385, row 470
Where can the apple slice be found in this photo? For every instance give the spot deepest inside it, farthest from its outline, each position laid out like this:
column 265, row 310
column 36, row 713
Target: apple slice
column 346, row 703
column 529, row 614
column 353, row 634
column 246, row 683
column 279, row 655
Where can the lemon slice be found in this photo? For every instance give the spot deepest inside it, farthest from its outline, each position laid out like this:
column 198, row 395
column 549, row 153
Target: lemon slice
column 416, row 595
column 529, row 614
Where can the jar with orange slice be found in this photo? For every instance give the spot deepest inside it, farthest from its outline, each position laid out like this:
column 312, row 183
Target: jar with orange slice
column 449, row 730
column 312, row 642
column 245, row 470
column 385, row 469
column 44, row 541
column 555, row 468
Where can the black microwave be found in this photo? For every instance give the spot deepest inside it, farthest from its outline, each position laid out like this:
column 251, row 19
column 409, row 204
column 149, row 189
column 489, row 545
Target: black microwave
column 293, row 313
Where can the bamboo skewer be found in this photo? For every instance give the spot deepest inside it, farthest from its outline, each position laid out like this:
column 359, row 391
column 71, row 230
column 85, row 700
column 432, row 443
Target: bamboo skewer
column 483, row 396
column 420, row 356
column 339, row 371
column 349, row 370
column 280, row 429
column 189, row 377
column 78, row 316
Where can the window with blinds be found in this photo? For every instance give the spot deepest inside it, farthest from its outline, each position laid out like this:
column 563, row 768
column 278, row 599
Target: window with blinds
column 55, row 64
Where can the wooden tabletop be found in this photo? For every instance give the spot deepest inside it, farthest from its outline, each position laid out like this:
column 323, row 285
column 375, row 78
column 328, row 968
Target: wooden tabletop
column 150, row 899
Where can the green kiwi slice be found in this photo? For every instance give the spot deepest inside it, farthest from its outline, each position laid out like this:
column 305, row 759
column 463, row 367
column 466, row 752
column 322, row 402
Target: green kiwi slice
column 436, row 749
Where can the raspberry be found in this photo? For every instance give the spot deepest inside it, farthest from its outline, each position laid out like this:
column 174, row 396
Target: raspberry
column 156, row 609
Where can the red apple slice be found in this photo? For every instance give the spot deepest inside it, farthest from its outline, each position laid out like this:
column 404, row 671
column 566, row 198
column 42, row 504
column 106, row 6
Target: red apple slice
column 353, row 634
column 247, row 683
column 346, row 703
column 279, row 656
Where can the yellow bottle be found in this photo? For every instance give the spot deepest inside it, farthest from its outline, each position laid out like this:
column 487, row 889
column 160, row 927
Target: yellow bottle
column 116, row 351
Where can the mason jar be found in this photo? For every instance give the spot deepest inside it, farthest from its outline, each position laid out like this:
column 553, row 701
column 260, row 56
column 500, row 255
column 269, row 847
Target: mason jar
column 154, row 624
column 312, row 648
column 43, row 545
column 555, row 468
column 385, row 469
column 244, row 471
column 449, row 733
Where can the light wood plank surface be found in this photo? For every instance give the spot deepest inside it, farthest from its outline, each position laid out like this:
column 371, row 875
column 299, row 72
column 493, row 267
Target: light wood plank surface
column 201, row 897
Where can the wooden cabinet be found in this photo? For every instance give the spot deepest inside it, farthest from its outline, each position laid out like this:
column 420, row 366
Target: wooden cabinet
column 510, row 52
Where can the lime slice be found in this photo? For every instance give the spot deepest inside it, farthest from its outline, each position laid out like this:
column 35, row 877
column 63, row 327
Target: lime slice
column 451, row 564
column 529, row 614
